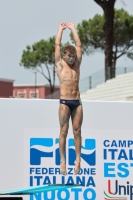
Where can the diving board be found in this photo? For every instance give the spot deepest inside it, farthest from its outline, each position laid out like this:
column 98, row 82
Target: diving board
column 37, row 189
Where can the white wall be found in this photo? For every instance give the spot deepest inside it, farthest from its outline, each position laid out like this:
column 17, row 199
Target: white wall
column 102, row 120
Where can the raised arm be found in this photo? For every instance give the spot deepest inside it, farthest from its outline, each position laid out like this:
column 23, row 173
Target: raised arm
column 77, row 41
column 58, row 42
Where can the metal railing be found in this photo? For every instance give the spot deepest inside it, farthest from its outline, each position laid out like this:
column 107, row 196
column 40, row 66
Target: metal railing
column 92, row 81
column 98, row 77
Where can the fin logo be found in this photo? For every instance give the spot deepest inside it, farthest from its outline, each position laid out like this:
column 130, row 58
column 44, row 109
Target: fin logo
column 88, row 152
column 49, row 148
column 40, row 148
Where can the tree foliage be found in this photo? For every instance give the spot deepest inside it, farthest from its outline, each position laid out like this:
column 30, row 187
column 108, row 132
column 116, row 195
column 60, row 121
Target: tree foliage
column 92, row 35
column 123, row 34
column 39, row 56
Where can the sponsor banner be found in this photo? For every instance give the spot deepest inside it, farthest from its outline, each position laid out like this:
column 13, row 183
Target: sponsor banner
column 118, row 167
column 106, row 164
column 43, row 165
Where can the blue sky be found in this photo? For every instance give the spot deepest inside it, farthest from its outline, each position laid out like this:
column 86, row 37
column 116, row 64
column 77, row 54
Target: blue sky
column 25, row 22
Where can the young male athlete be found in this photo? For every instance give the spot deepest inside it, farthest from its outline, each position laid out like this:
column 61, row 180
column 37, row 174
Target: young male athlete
column 68, row 71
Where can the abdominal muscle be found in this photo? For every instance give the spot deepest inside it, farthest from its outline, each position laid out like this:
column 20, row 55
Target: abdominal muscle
column 69, row 82
column 69, row 89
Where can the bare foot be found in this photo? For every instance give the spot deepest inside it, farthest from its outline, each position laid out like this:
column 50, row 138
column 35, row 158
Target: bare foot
column 77, row 167
column 63, row 168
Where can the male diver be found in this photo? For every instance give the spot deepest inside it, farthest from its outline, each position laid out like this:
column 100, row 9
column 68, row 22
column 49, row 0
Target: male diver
column 68, row 70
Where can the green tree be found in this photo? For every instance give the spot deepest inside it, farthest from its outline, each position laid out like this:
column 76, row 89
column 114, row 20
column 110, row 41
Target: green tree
column 123, row 35
column 39, row 56
column 92, row 35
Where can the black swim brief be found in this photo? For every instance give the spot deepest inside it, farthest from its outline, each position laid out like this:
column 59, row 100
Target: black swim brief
column 71, row 103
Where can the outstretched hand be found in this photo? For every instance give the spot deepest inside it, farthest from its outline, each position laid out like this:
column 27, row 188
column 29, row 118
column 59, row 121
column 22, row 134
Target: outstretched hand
column 70, row 25
column 63, row 26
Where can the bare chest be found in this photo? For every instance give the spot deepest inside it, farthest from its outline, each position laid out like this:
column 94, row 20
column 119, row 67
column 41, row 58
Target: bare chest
column 69, row 73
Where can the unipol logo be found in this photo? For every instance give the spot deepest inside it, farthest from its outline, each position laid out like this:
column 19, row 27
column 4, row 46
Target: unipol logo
column 43, row 148
column 115, row 191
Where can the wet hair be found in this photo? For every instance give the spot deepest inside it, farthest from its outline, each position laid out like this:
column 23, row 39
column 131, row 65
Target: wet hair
column 70, row 49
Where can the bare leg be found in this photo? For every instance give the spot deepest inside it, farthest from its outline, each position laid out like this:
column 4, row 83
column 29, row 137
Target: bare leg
column 64, row 115
column 77, row 117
